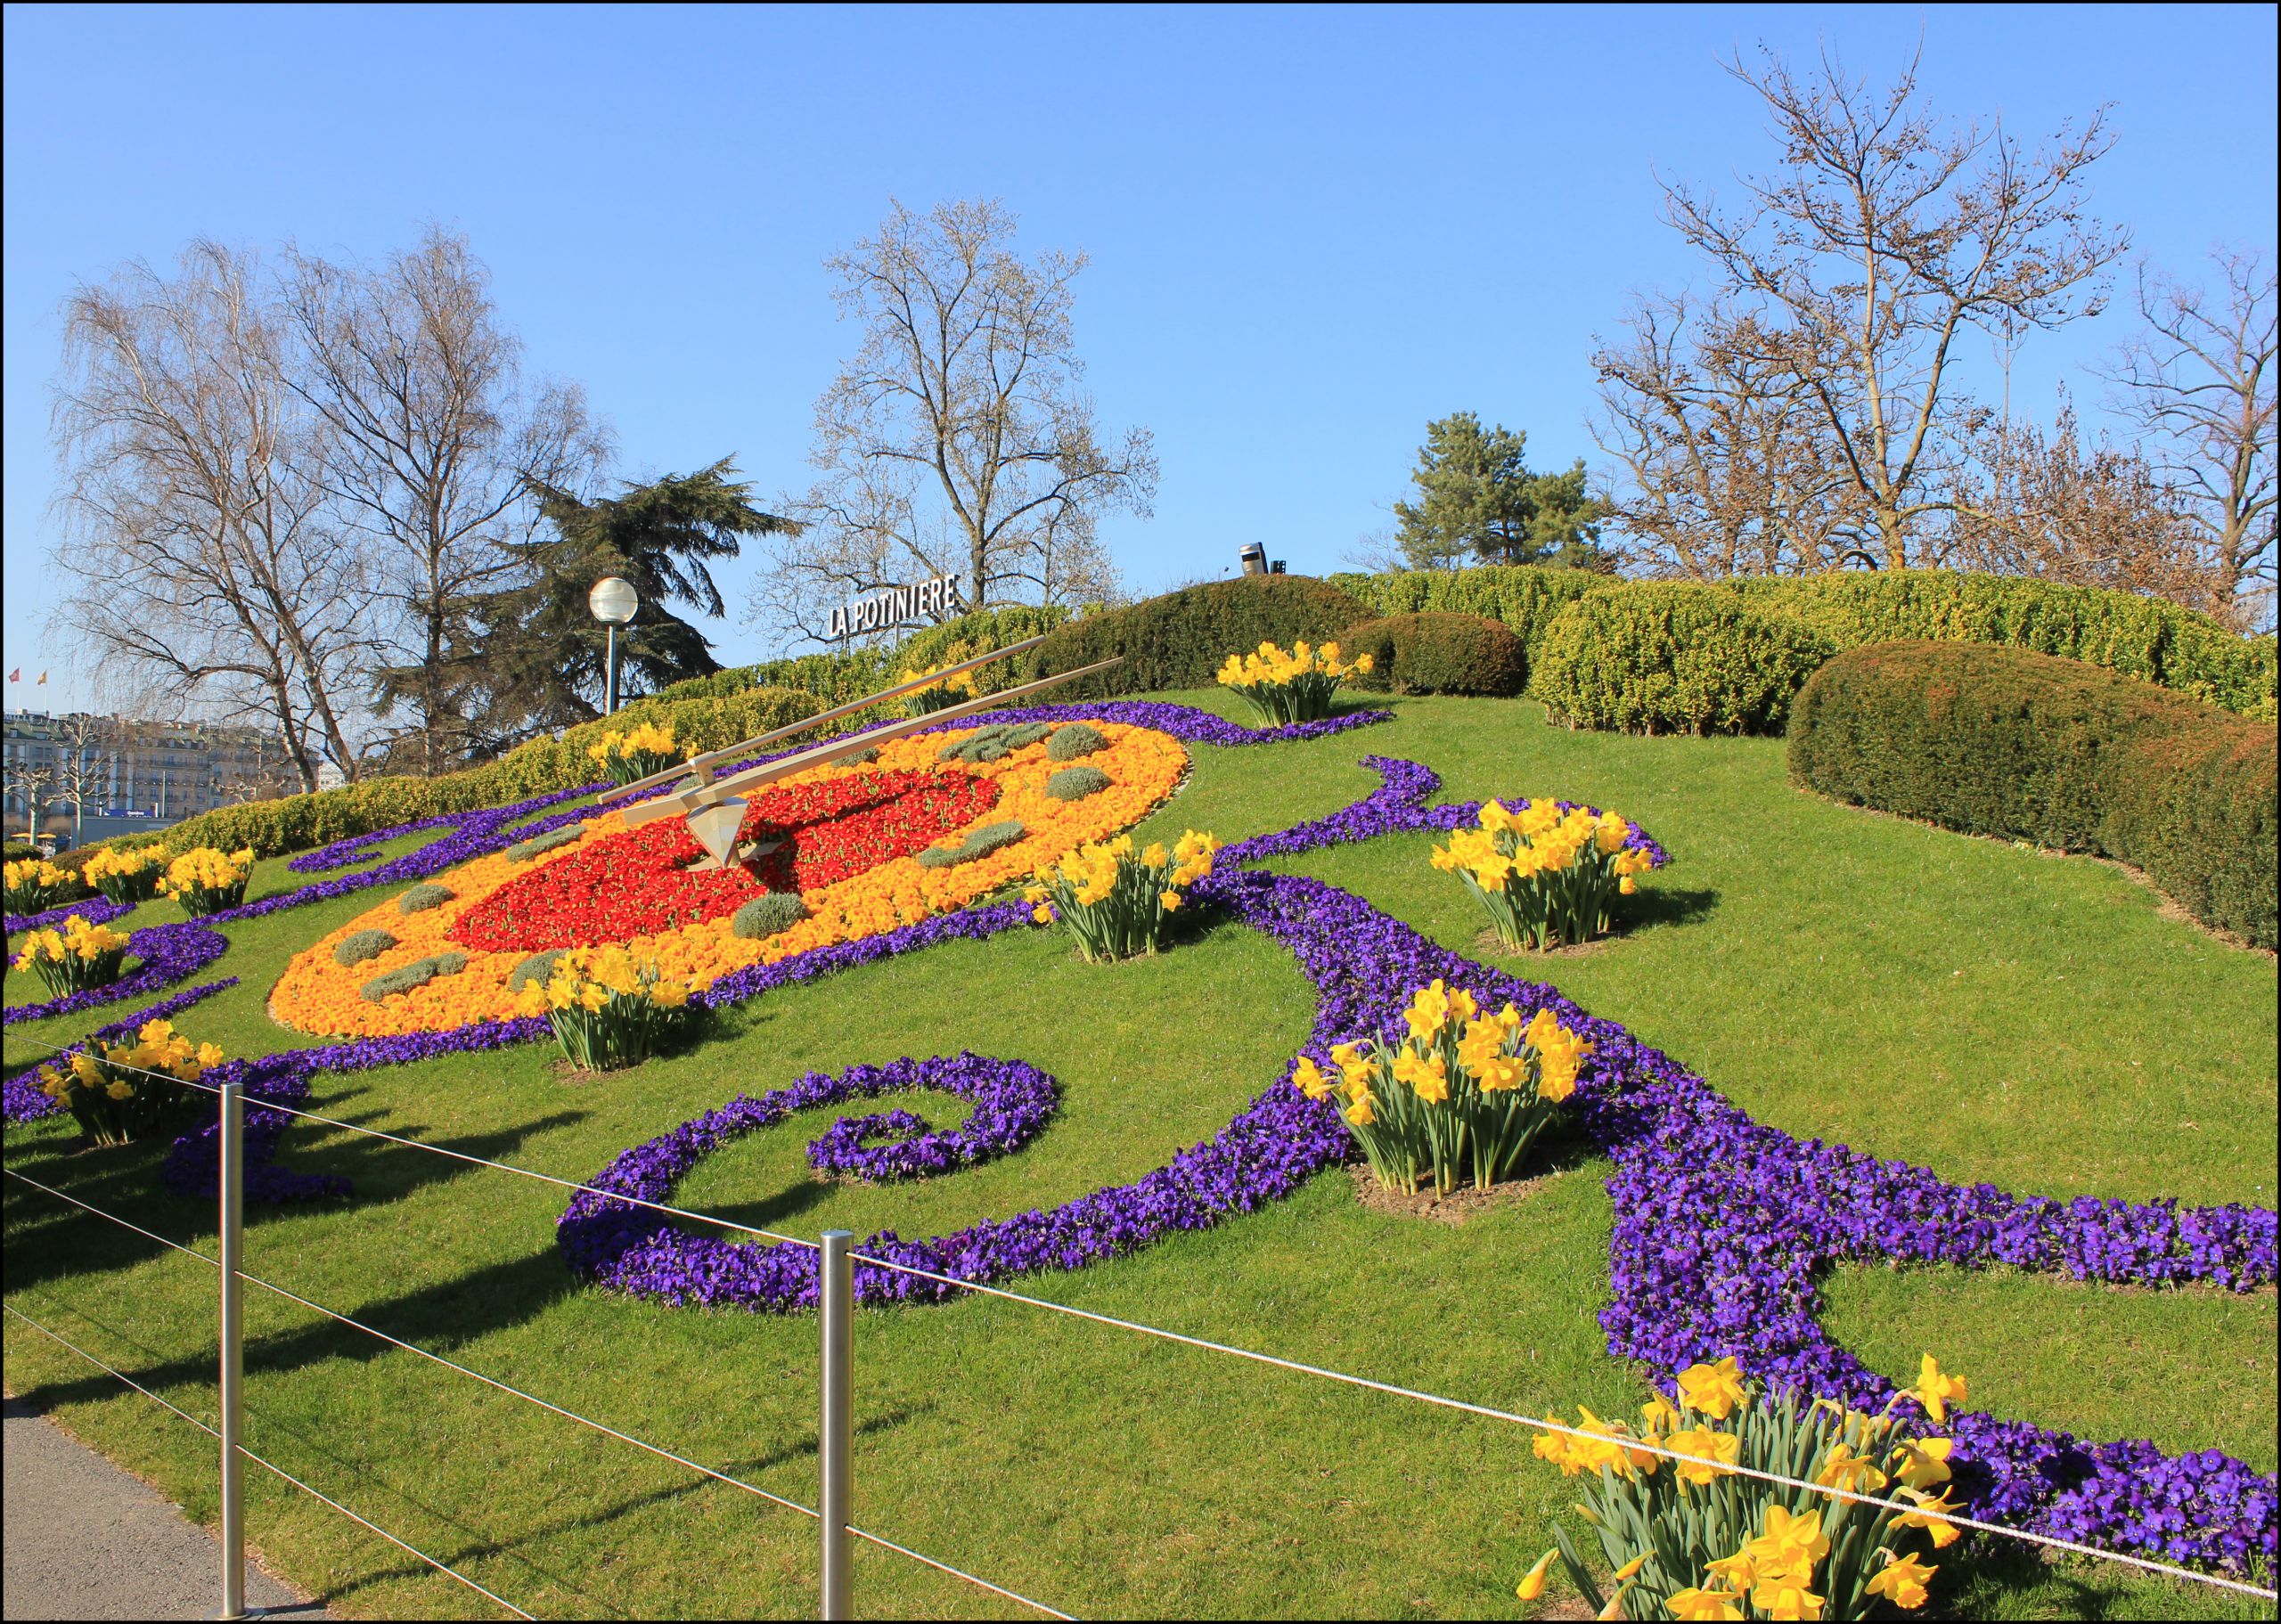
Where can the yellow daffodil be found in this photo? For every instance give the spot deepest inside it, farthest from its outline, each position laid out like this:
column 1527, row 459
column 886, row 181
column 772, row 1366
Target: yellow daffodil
column 1935, row 1390
column 1925, row 1464
column 1716, row 1606
column 1902, row 1580
column 1531, row 1585
column 1714, row 1388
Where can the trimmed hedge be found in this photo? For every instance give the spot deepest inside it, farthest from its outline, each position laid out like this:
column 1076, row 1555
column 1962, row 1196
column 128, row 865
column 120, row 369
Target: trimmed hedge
column 294, row 823
column 2138, row 636
column 1182, row 639
column 1526, row 598
column 1435, row 653
column 2149, row 638
column 2030, row 746
column 1671, row 657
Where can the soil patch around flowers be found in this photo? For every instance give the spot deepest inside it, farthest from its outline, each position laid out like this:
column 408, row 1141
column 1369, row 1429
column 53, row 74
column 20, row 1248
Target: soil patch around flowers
column 1493, row 946
column 1454, row 1208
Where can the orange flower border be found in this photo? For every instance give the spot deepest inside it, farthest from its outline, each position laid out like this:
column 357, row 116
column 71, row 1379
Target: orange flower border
column 321, row 996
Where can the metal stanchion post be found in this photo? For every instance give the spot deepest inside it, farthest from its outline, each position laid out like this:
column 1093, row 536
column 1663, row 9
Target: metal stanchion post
column 837, row 1299
column 232, row 1224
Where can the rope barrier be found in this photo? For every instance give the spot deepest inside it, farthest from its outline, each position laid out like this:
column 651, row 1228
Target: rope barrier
column 268, row 1465
column 1539, row 1424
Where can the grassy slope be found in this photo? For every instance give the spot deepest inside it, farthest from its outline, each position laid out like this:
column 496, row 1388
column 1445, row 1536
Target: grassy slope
column 1993, row 1013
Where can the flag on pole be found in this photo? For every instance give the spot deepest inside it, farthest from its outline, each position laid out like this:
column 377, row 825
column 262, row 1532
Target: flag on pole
column 16, row 675
column 43, row 680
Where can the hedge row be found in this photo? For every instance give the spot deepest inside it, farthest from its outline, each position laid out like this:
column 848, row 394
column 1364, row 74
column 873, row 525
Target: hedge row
column 2029, row 747
column 2122, row 631
column 1182, row 639
column 297, row 822
column 1671, row 657
column 844, row 674
column 1439, row 654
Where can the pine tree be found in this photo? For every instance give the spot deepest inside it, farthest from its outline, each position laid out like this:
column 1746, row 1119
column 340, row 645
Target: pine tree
column 545, row 650
column 1476, row 497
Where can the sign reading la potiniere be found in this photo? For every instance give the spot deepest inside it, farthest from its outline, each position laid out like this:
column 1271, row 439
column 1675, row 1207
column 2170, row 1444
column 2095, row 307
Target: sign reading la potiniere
column 893, row 607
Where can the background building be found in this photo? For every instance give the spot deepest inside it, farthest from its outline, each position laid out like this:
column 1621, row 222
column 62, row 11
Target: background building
column 90, row 776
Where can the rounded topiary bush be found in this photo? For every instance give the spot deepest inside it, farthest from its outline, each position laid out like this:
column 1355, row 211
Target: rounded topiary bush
column 1181, row 638
column 1075, row 783
column 540, row 844
column 766, row 915
column 1076, row 739
column 420, row 899
column 2029, row 747
column 418, row 972
column 979, row 842
column 1434, row 653
column 1673, row 657
column 538, row 968
column 359, row 946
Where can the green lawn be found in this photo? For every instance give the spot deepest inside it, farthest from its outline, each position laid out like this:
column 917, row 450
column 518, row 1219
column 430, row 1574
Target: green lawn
column 1992, row 1012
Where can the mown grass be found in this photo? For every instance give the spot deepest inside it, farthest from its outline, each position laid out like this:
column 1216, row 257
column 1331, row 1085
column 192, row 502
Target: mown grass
column 1988, row 1011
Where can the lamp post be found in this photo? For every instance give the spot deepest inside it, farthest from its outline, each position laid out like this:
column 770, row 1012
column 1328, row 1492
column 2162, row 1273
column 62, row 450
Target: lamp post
column 613, row 601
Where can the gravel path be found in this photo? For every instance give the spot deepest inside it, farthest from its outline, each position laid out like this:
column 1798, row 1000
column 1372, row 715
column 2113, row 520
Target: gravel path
column 85, row 1539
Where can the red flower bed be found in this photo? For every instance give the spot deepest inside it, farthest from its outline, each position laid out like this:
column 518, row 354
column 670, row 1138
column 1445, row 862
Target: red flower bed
column 637, row 882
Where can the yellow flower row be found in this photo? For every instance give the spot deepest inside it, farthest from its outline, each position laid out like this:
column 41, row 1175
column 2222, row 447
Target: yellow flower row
column 318, row 995
column 77, row 940
column 157, row 1047
column 207, row 869
column 1270, row 666
column 648, row 739
column 109, row 862
column 1540, row 838
column 589, row 978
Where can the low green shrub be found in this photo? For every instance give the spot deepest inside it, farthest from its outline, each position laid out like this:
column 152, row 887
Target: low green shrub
column 538, row 845
column 420, row 899
column 1075, row 783
column 979, row 842
column 294, row 823
column 2030, row 746
column 766, row 915
column 1182, row 639
column 418, row 972
column 991, row 743
column 359, row 946
column 1435, row 653
column 1672, row 657
column 537, row 968
column 1526, row 598
column 1076, row 739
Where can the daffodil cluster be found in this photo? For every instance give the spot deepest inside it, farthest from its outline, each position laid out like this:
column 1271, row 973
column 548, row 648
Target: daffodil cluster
column 1286, row 688
column 1545, row 874
column 1117, row 897
column 610, row 1009
column 636, row 753
column 205, row 880
column 127, row 876
column 123, row 1091
column 1690, row 1538
column 1462, row 1097
column 33, row 885
column 75, row 957
column 947, row 690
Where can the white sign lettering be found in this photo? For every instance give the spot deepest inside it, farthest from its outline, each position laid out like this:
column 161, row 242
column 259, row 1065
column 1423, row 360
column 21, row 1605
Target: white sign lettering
column 895, row 605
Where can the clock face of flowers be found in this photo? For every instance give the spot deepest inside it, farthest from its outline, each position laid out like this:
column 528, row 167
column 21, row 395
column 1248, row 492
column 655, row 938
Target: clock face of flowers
column 865, row 846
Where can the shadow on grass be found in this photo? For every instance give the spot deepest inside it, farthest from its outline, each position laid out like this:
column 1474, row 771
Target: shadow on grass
column 125, row 1182
column 1655, row 906
column 2003, row 1578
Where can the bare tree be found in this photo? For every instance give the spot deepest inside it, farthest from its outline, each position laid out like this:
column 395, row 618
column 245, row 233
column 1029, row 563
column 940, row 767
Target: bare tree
column 1719, row 442
column 957, row 440
column 1881, row 237
column 211, row 576
column 2201, row 381
column 29, row 786
column 431, row 447
column 85, row 764
column 2054, row 506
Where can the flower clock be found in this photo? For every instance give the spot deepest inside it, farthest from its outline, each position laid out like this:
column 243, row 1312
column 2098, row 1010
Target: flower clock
column 1724, row 1228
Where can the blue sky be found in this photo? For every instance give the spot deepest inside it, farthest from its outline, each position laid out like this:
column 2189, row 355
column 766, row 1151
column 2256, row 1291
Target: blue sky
column 1312, row 230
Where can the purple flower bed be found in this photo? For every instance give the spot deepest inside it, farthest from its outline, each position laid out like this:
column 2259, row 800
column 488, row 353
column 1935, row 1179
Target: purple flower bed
column 94, row 909
column 170, row 953
column 1011, row 1102
column 1723, row 1227
column 1184, row 722
column 21, row 1098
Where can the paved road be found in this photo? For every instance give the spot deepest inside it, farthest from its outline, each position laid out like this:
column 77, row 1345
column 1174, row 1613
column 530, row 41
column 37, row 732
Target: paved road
column 85, row 1540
